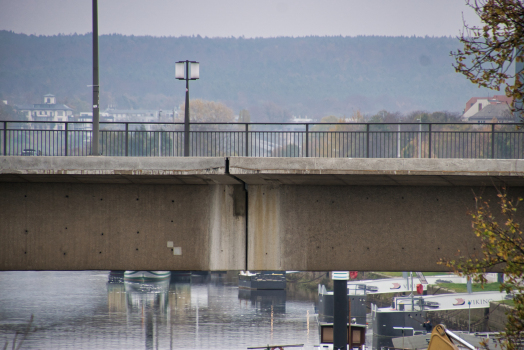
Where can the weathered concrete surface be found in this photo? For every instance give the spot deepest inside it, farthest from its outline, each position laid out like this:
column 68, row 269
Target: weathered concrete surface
column 378, row 171
column 68, row 226
column 366, row 214
column 303, row 213
column 159, row 170
column 362, row 228
column 264, row 171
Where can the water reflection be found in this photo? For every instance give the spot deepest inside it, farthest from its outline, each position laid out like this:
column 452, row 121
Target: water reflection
column 265, row 300
column 210, row 311
column 99, row 310
column 150, row 299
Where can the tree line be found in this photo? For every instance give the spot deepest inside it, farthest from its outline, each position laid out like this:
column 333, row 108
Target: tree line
column 273, row 78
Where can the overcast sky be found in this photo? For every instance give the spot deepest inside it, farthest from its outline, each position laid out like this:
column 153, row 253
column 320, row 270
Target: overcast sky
column 224, row 18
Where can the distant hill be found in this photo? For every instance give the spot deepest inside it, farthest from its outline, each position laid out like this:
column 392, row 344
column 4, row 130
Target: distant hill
column 271, row 77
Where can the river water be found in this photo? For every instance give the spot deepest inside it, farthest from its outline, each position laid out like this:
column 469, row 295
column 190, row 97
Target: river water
column 81, row 310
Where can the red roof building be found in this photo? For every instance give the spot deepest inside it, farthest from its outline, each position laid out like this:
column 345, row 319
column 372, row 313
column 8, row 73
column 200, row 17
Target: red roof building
column 475, row 104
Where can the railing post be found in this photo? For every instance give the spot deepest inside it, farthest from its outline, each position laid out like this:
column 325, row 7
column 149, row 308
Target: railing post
column 127, row 138
column 367, row 140
column 5, row 138
column 247, row 140
column 66, row 139
column 307, row 140
column 492, row 140
column 429, row 146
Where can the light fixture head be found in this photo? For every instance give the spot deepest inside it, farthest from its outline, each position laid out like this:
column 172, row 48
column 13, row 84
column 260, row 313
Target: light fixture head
column 194, row 70
column 180, row 70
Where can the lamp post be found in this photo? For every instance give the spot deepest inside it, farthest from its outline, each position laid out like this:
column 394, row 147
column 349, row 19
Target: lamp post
column 187, row 70
column 96, row 87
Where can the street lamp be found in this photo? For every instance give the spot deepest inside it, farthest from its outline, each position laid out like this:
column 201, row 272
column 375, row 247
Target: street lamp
column 187, row 70
column 96, row 87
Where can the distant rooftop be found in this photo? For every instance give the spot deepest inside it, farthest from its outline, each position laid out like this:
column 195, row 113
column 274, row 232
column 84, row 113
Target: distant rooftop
column 43, row 106
column 130, row 111
column 493, row 111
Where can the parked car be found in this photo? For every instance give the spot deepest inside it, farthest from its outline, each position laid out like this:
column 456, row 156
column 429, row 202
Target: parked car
column 31, row 152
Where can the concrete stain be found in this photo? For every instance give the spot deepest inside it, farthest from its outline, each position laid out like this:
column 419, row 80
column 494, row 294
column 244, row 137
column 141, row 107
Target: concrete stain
column 264, row 228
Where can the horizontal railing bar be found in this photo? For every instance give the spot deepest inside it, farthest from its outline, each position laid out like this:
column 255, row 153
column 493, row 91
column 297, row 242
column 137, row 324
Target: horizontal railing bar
column 257, row 123
column 276, row 131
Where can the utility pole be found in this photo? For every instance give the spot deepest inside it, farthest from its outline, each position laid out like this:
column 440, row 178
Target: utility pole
column 96, row 87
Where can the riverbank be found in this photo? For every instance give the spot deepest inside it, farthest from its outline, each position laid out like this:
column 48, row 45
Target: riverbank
column 490, row 319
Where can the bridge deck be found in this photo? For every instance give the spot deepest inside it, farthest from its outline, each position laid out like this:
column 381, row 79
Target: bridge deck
column 264, row 171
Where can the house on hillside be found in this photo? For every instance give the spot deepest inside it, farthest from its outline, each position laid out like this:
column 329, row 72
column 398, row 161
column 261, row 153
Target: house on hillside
column 476, row 104
column 49, row 111
column 133, row 115
column 87, row 119
column 149, row 117
column 499, row 112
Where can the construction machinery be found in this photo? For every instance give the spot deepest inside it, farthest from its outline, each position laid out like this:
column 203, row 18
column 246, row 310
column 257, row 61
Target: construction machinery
column 443, row 339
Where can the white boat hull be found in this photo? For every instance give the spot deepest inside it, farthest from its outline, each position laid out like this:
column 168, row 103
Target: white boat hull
column 146, row 276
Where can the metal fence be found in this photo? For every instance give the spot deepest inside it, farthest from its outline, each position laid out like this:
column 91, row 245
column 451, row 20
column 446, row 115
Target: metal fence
column 337, row 140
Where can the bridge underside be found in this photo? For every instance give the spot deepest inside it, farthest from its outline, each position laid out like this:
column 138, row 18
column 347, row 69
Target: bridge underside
column 76, row 213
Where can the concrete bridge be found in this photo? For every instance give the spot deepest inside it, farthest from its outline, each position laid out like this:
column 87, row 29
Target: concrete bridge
column 75, row 213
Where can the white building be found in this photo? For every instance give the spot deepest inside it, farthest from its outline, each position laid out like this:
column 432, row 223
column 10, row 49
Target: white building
column 87, row 118
column 48, row 111
column 140, row 115
column 302, row 120
column 152, row 116
column 475, row 105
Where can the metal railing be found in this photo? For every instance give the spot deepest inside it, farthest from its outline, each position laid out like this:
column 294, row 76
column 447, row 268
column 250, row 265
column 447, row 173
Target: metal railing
column 336, row 140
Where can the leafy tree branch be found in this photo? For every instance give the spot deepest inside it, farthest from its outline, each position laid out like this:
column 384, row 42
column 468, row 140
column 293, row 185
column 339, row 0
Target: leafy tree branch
column 491, row 51
column 502, row 246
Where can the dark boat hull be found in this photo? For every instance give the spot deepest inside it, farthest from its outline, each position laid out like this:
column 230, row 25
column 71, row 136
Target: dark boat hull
column 326, row 305
column 262, row 281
